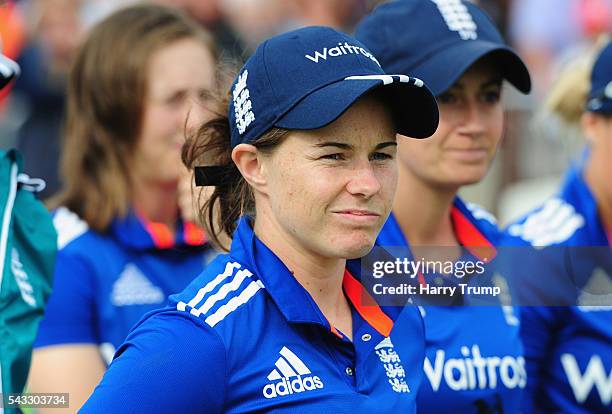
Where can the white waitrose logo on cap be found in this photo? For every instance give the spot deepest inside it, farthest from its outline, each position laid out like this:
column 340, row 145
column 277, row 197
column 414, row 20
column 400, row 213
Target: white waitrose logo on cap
column 340, row 50
column 458, row 18
column 242, row 103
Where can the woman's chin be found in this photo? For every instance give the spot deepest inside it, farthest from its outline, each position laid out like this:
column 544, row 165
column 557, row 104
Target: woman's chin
column 356, row 248
column 465, row 178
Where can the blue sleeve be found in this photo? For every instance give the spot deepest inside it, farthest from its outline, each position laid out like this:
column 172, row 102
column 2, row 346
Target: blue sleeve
column 170, row 363
column 538, row 327
column 70, row 316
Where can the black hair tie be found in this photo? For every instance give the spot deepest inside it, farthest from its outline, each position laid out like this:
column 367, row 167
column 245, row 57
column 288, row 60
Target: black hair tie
column 212, row 175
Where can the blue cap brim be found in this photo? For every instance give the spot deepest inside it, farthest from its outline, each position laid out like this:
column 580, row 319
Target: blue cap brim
column 442, row 69
column 413, row 108
column 600, row 106
column 600, row 101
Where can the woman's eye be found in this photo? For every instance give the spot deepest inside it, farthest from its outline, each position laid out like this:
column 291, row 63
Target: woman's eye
column 446, row 98
column 380, row 156
column 334, row 157
column 491, row 96
column 175, row 100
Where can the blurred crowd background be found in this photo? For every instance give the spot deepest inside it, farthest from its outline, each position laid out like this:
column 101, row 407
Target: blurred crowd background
column 43, row 36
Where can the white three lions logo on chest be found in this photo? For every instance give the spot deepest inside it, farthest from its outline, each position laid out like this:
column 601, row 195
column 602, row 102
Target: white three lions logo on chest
column 393, row 365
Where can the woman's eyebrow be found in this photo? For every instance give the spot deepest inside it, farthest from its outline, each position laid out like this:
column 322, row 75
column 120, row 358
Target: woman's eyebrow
column 497, row 81
column 491, row 82
column 344, row 146
column 340, row 145
column 386, row 144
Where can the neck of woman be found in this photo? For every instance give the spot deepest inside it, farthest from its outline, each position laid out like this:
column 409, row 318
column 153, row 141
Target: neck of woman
column 321, row 276
column 423, row 211
column 156, row 202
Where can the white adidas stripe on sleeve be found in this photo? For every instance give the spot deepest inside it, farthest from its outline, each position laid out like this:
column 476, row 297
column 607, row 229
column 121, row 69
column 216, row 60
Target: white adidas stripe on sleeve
column 229, row 270
column 222, row 293
column 68, row 225
column 555, row 223
column 234, row 303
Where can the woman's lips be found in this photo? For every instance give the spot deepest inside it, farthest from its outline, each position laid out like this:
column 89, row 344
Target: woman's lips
column 358, row 216
column 469, row 155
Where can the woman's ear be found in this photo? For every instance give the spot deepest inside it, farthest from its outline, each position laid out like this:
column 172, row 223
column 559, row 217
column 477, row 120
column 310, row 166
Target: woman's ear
column 249, row 162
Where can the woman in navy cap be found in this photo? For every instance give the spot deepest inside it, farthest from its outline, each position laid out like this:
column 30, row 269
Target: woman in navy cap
column 304, row 167
column 569, row 349
column 474, row 361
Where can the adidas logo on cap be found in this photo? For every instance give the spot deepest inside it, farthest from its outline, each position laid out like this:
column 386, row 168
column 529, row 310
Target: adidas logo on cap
column 291, row 376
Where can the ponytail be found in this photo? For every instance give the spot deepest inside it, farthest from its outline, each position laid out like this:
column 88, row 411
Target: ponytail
column 568, row 95
column 232, row 197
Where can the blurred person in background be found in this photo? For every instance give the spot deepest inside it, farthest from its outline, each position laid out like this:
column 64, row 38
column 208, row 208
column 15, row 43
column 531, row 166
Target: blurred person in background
column 569, row 349
column 456, row 49
column 55, row 34
column 255, row 20
column 209, row 13
column 141, row 80
column 341, row 14
column 536, row 158
column 567, row 26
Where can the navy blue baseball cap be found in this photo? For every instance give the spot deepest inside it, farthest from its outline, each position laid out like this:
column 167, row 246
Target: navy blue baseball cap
column 437, row 41
column 9, row 70
column 600, row 95
column 307, row 78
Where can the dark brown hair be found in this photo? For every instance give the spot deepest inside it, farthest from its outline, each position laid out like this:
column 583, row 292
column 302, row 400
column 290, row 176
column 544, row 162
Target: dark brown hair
column 233, row 197
column 106, row 93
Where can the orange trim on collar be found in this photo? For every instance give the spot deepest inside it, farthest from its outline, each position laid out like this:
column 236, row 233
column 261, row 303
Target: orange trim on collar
column 365, row 305
column 421, row 279
column 334, row 330
column 160, row 233
column 194, row 236
column 471, row 238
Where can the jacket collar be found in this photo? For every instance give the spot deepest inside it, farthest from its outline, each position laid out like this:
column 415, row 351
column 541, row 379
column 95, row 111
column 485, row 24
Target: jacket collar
column 470, row 232
column 138, row 233
column 293, row 301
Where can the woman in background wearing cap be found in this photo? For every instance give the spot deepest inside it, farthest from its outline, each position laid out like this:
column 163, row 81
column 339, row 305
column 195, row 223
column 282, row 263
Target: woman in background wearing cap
column 123, row 247
column 304, row 159
column 569, row 349
column 474, row 360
